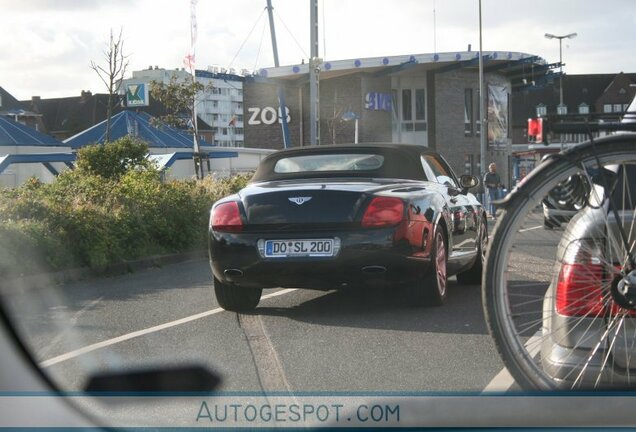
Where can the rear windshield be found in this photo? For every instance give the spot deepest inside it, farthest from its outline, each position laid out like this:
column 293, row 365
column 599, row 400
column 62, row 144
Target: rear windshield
column 329, row 162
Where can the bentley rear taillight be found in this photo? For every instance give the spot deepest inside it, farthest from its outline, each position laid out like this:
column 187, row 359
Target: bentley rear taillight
column 226, row 217
column 383, row 211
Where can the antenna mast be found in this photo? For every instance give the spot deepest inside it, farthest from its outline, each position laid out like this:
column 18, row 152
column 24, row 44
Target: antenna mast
column 314, row 72
column 281, row 92
column 434, row 29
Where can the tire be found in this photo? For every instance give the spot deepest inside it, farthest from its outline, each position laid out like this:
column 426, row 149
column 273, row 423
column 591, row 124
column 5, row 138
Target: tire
column 547, row 338
column 432, row 288
column 473, row 275
column 236, row 299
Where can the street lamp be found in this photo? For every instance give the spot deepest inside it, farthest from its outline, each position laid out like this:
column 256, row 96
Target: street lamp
column 560, row 38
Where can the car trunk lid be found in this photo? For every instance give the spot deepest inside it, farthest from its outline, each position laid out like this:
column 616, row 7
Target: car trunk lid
column 287, row 205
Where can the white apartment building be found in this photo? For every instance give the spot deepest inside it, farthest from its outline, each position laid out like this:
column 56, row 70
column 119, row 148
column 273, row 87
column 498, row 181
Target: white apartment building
column 221, row 108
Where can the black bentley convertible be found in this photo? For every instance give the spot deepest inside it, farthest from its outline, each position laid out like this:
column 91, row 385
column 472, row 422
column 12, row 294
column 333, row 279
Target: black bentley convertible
column 330, row 217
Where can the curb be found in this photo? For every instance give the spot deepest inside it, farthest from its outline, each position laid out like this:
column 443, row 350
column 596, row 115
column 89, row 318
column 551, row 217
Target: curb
column 42, row 280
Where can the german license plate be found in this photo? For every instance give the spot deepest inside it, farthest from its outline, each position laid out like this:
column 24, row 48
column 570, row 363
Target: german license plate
column 299, row 248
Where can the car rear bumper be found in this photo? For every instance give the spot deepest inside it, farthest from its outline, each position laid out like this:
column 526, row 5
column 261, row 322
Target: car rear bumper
column 369, row 257
column 564, row 364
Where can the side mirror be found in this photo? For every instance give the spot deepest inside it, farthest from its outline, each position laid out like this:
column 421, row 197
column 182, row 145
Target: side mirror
column 468, row 181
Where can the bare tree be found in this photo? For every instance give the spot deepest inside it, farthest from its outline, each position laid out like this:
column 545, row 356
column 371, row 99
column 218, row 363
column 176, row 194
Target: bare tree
column 113, row 72
column 179, row 98
column 335, row 121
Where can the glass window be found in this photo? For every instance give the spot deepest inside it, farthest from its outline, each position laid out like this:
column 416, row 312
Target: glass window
column 329, row 162
column 584, row 108
column 617, row 108
column 607, row 108
column 434, row 168
column 468, row 112
column 420, row 104
column 419, row 127
column 407, row 114
column 477, row 113
column 562, row 109
column 542, row 110
column 469, row 160
column 394, row 103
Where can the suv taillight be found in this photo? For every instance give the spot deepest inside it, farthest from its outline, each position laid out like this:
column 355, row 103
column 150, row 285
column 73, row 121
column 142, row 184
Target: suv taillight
column 583, row 284
column 226, row 217
column 383, row 211
column 580, row 290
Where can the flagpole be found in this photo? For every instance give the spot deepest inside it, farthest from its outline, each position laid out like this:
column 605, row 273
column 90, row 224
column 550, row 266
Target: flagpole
column 483, row 127
column 197, row 157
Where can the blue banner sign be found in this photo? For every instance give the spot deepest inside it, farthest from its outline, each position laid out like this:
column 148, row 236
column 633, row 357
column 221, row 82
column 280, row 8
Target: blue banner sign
column 378, row 102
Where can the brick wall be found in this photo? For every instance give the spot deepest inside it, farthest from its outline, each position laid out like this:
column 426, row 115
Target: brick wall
column 450, row 138
column 258, row 96
column 338, row 95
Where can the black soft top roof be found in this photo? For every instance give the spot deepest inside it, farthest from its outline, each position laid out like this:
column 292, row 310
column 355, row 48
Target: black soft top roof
column 401, row 161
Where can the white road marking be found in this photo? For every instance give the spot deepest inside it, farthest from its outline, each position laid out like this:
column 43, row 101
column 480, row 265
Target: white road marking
column 530, row 229
column 269, row 367
column 503, row 380
column 500, row 383
column 68, row 327
column 89, row 348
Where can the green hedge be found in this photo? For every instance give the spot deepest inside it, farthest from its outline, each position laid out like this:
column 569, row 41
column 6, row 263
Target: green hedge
column 98, row 217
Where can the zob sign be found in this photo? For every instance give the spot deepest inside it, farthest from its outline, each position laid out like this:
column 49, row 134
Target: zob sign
column 267, row 115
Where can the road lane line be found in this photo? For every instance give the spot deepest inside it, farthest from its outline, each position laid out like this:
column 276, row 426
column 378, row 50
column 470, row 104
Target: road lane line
column 503, row 380
column 268, row 366
column 530, row 229
column 90, row 348
column 500, row 383
column 65, row 332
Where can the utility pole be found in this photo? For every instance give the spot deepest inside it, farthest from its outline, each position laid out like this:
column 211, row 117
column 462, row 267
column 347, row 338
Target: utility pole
column 281, row 90
column 314, row 73
column 483, row 133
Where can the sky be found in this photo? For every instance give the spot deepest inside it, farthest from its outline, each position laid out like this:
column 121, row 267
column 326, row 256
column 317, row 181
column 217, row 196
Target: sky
column 47, row 46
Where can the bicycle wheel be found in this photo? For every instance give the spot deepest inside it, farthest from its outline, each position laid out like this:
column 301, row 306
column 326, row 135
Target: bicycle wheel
column 560, row 300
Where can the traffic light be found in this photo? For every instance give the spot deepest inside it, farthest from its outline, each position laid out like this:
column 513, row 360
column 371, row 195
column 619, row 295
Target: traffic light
column 535, row 130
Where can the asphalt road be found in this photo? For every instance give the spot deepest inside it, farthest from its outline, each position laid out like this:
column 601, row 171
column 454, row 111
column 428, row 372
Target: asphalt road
column 296, row 340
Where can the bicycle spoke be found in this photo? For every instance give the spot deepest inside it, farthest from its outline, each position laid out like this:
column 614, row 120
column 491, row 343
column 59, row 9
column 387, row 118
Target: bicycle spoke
column 554, row 281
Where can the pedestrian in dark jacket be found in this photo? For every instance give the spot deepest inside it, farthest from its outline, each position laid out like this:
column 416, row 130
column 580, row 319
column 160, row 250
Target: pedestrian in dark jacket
column 492, row 183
